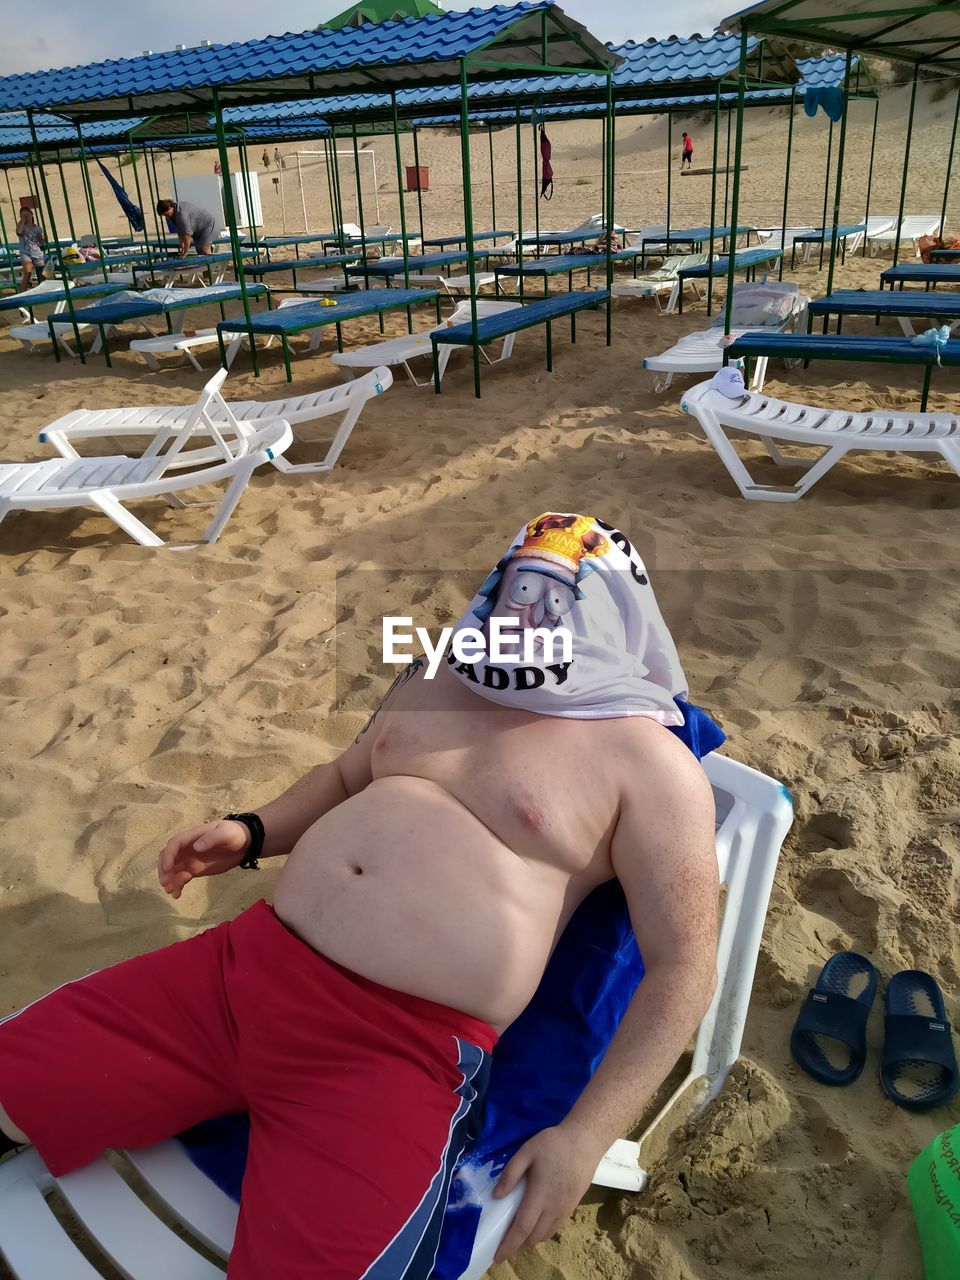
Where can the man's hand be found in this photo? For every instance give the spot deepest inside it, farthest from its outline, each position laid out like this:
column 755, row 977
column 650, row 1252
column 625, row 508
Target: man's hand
column 206, row 849
column 559, row 1165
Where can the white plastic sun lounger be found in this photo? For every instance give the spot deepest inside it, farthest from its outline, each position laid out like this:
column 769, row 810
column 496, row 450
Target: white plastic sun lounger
column 184, row 345
column 400, row 351
column 665, row 280
column 32, row 336
column 754, row 814
column 165, row 466
column 911, row 229
column 453, row 286
column 702, row 351
column 345, row 401
column 836, row 432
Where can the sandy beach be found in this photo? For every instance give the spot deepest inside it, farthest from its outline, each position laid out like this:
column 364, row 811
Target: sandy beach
column 142, row 689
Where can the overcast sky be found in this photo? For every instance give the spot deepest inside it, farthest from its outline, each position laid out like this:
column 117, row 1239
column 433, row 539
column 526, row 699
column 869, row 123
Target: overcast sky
column 51, row 33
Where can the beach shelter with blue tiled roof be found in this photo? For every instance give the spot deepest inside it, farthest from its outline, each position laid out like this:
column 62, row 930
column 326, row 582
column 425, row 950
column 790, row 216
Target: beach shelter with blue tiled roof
column 464, row 48
column 923, row 33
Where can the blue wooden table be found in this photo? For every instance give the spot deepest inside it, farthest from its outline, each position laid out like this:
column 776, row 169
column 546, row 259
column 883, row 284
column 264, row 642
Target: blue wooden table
column 693, row 238
column 746, row 260
column 821, row 235
column 932, row 273
column 387, row 268
column 306, row 316
column 51, row 298
column 830, row 346
column 561, row 264
column 121, row 311
column 293, row 265
column 441, row 242
column 902, row 305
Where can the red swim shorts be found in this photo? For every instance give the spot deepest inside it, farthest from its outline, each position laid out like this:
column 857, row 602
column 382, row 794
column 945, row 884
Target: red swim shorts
column 361, row 1099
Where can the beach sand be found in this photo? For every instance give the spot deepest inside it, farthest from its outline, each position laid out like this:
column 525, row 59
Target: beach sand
column 141, row 690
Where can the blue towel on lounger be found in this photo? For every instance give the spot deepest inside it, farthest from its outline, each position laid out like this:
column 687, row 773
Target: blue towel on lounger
column 542, row 1061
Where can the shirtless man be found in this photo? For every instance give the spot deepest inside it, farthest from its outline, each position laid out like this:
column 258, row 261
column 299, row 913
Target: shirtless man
column 431, row 869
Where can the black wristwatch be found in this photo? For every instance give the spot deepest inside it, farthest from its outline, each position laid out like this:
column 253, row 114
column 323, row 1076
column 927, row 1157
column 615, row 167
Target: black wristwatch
column 253, row 824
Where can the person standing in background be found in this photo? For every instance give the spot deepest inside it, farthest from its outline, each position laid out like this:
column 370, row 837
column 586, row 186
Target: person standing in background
column 278, row 159
column 686, row 157
column 266, row 158
column 31, row 246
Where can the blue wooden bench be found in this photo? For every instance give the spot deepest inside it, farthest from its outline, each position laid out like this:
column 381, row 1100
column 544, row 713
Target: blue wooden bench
column 542, row 311
column 831, row 346
column 746, row 260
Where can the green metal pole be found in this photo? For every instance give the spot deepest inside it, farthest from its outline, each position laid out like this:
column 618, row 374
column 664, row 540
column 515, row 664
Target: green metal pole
column 873, row 147
column 336, row 183
column 136, row 179
column 946, row 185
column 173, row 176
column 906, row 162
column 66, row 198
column 726, row 176
column 248, row 195
column 536, row 184
column 786, row 181
column 232, row 224
column 493, row 185
column 403, row 211
column 3, row 235
column 669, row 170
column 93, row 209
column 826, row 193
column 359, row 185
column 151, row 193
column 416, row 161
column 841, row 145
column 468, row 221
column 603, row 165
column 519, row 204
column 326, row 165
column 713, row 204
column 737, row 157
column 611, row 203
column 58, row 249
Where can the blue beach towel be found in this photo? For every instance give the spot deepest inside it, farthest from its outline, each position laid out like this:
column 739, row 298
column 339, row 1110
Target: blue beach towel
column 133, row 212
column 541, row 1063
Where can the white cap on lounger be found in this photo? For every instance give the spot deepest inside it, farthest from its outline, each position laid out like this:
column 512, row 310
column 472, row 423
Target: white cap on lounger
column 729, row 382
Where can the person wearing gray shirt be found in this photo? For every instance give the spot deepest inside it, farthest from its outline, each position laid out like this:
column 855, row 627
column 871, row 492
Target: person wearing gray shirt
column 192, row 223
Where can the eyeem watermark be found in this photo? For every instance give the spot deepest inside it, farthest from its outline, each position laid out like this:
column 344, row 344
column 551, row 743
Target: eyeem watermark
column 504, row 642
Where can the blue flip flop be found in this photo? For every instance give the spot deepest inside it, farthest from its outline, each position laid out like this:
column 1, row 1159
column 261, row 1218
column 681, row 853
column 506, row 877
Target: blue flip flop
column 832, row 1013
column 918, row 1067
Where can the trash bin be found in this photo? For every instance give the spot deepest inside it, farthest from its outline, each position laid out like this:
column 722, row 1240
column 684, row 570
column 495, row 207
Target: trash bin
column 418, row 179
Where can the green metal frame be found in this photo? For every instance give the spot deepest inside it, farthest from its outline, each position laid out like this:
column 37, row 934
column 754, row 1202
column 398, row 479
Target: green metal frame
column 946, row 185
column 738, row 156
column 841, row 146
column 906, row 162
column 786, row 180
column 232, row 225
column 873, row 148
column 826, row 189
column 468, row 224
column 58, row 248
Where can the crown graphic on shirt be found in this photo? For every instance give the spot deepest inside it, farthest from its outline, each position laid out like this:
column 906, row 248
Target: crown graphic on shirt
column 563, row 540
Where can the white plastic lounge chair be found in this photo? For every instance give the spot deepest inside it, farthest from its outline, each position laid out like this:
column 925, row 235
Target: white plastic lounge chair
column 665, row 280
column 702, row 351
column 400, row 351
column 911, row 229
column 34, row 299
column 184, row 344
column 753, row 816
column 781, row 237
column 166, row 465
column 453, row 286
column 345, row 401
column 32, row 336
column 835, row 431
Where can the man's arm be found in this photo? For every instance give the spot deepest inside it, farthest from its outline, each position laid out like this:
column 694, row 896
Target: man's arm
column 664, row 854
column 209, row 848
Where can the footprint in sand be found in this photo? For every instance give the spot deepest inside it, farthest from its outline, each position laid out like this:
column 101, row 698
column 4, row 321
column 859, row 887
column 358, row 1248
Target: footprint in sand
column 850, row 917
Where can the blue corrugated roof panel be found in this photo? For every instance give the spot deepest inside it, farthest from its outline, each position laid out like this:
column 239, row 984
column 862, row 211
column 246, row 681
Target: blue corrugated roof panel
column 421, row 50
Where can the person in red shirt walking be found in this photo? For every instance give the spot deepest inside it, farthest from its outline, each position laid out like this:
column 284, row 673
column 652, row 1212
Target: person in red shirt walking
column 686, row 158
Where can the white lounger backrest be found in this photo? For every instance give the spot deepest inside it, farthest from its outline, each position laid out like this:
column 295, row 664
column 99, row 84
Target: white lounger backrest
column 169, row 447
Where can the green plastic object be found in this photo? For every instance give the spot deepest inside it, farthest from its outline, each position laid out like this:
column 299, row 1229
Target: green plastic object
column 934, row 1184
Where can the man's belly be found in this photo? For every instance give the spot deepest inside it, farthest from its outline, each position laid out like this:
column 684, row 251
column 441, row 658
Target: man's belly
column 404, row 886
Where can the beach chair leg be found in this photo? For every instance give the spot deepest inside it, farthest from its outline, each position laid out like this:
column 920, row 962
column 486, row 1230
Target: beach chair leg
column 573, row 326
column 549, row 347
column 339, row 329
column 129, row 523
column 286, row 357
column 105, row 346
column 436, row 369
column 949, row 450
column 759, row 373
column 223, row 351
column 926, row 388
column 439, row 311
column 409, row 319
column 228, row 503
